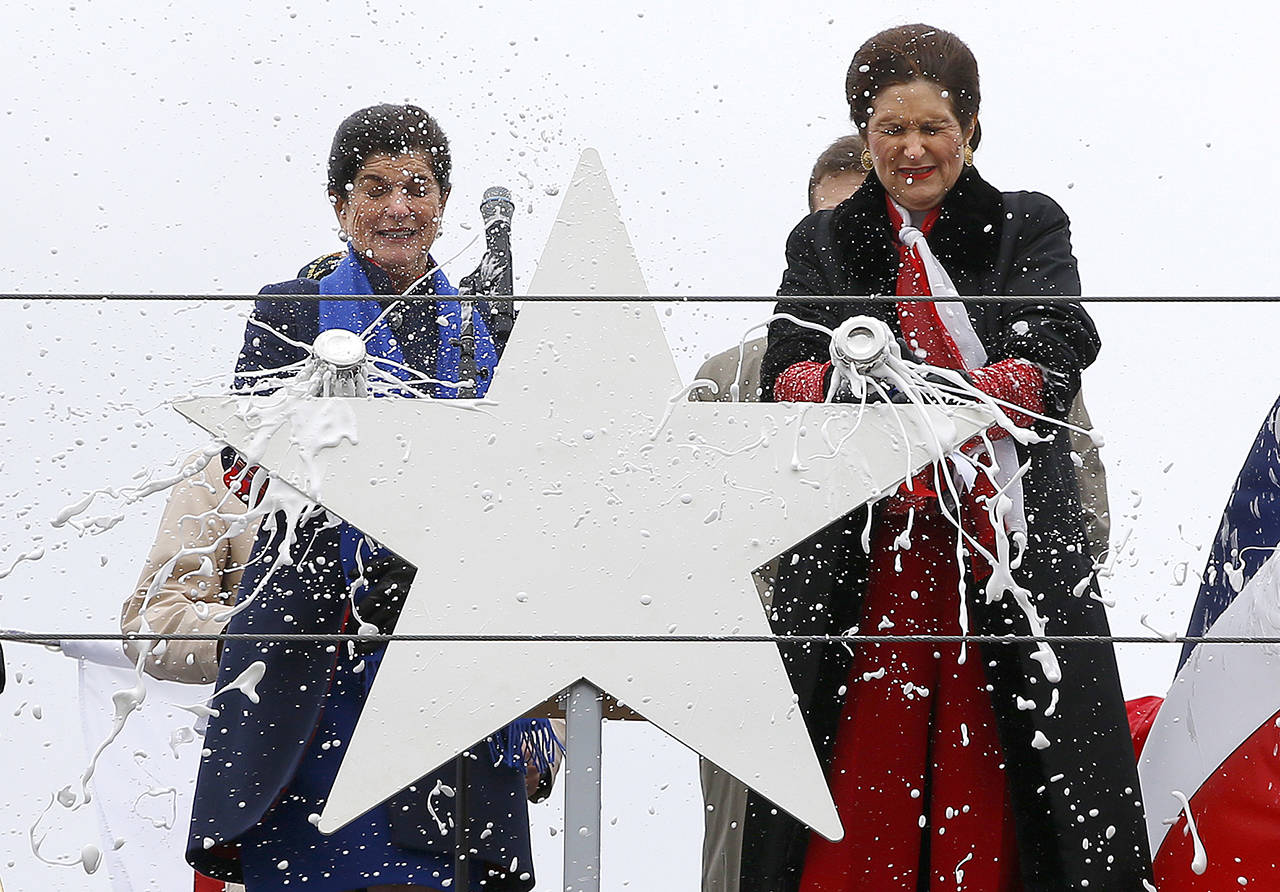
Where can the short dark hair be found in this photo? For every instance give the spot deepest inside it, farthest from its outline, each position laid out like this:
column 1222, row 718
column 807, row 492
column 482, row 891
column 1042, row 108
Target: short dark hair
column 391, row 130
column 910, row 52
column 843, row 154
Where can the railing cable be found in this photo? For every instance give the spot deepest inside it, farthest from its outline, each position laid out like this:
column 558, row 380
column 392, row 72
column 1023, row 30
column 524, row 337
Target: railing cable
column 682, row 298
column 53, row 638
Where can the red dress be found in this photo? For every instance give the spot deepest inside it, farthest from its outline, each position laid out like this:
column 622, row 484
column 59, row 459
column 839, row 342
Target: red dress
column 917, row 771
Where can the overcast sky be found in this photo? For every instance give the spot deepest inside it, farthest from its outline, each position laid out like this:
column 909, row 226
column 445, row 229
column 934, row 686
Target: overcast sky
column 154, row 149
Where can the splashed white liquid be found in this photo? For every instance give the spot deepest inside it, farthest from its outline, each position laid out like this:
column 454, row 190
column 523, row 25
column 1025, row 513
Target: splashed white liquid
column 1199, row 859
column 1167, row 636
column 90, row 858
column 124, row 701
column 169, row 805
column 440, row 788
column 34, row 555
column 281, row 507
column 246, row 682
column 1004, row 511
column 130, row 494
column 180, row 737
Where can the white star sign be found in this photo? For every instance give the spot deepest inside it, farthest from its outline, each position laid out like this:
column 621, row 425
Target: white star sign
column 586, row 496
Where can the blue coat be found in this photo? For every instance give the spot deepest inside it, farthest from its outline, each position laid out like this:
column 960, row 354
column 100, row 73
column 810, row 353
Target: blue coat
column 414, row 325
column 252, row 751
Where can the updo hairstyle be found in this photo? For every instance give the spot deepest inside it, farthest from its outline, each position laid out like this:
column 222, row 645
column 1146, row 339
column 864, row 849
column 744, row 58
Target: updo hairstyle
column 914, row 52
column 386, row 130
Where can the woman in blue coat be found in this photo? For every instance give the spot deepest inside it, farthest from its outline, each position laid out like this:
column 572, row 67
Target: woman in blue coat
column 268, row 766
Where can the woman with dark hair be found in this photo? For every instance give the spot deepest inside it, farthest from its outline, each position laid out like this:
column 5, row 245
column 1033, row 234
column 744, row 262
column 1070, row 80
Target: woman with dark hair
column 1000, row 767
column 269, row 764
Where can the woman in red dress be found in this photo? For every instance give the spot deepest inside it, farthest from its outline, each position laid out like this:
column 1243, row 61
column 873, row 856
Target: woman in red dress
column 1001, row 767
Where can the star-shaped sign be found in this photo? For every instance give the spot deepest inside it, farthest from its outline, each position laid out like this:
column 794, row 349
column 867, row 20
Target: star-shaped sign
column 586, row 496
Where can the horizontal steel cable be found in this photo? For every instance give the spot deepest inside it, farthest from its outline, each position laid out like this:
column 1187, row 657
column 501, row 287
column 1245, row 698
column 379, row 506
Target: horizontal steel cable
column 47, row 638
column 44, row 638
column 676, row 298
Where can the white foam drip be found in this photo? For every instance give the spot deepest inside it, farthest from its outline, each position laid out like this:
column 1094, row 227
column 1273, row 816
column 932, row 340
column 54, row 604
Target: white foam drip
column 953, row 472
column 440, row 788
column 34, row 554
column 1199, row 859
column 89, row 857
column 169, row 797
column 124, row 702
column 128, row 495
column 279, row 508
column 246, row 682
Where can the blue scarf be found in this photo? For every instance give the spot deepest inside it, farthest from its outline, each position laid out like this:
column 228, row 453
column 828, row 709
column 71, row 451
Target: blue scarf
column 523, row 738
column 349, row 279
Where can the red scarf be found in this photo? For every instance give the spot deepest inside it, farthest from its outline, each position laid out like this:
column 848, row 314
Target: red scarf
column 923, row 329
column 919, row 320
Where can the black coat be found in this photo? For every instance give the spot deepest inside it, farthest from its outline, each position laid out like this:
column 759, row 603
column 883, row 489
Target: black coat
column 990, row 243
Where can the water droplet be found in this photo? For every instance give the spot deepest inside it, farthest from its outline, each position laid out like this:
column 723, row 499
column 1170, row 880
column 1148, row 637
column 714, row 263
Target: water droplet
column 91, row 858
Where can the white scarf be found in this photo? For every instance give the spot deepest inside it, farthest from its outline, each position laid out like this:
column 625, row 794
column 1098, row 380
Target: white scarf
column 955, row 319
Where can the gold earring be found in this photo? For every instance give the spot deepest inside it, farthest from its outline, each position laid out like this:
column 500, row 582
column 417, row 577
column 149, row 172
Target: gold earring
column 968, row 156
column 868, row 163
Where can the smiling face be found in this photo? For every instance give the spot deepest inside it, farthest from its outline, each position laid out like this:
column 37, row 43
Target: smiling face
column 392, row 213
column 917, row 143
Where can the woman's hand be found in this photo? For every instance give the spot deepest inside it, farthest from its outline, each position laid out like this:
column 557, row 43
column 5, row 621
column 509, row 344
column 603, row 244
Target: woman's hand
column 533, row 782
column 537, row 786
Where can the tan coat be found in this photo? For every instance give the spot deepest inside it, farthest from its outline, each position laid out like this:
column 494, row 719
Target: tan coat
column 725, row 797
column 199, row 588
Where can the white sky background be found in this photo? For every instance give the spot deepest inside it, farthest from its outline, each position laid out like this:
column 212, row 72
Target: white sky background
column 153, row 149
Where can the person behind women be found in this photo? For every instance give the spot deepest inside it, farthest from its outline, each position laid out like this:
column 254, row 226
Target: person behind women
column 202, row 562
column 268, row 767
column 836, row 175
column 982, row 772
